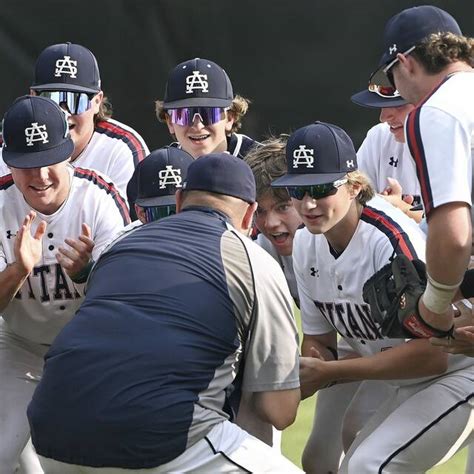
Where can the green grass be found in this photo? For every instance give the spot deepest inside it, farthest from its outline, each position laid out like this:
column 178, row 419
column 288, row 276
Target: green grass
column 294, row 438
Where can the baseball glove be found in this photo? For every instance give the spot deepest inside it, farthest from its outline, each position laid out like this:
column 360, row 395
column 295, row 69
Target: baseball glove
column 393, row 293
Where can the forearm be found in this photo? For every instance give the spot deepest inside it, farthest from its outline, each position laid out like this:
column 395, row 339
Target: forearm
column 11, row 280
column 411, row 360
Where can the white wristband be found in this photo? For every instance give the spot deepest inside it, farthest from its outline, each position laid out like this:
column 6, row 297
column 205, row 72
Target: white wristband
column 437, row 296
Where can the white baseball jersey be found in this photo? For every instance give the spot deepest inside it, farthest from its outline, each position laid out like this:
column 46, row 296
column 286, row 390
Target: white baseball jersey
column 330, row 285
column 381, row 156
column 440, row 136
column 114, row 150
column 48, row 299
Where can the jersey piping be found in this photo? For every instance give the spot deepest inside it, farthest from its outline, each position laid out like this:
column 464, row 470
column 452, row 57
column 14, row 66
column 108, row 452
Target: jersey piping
column 417, row 150
column 113, row 130
column 109, row 188
column 398, row 238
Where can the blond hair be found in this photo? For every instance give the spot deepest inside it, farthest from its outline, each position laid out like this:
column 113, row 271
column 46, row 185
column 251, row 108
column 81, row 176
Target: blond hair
column 268, row 162
column 440, row 49
column 238, row 108
column 358, row 178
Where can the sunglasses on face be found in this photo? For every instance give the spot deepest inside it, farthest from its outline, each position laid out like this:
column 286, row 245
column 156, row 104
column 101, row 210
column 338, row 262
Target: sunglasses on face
column 76, row 103
column 388, row 70
column 315, row 191
column 386, row 92
column 155, row 213
column 186, row 115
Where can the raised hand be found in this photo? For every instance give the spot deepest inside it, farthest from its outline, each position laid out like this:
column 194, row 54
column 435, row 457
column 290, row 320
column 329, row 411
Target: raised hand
column 79, row 254
column 28, row 248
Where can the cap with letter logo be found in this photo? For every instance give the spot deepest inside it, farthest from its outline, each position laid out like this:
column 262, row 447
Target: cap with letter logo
column 198, row 83
column 317, row 154
column 35, row 133
column 405, row 30
column 159, row 176
column 67, row 67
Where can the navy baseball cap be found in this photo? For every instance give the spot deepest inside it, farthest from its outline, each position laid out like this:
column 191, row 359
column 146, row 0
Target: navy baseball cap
column 378, row 97
column 198, row 83
column 160, row 175
column 222, row 173
column 67, row 67
column 35, row 133
column 407, row 29
column 319, row 153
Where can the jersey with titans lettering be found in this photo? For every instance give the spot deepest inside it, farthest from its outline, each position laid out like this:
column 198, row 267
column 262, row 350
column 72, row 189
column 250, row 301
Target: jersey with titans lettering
column 380, row 157
column 48, row 298
column 440, row 136
column 175, row 312
column 330, row 285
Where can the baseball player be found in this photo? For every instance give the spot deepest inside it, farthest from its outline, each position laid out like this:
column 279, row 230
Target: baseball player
column 428, row 60
column 383, row 153
column 54, row 221
column 349, row 235
column 207, row 307
column 68, row 74
column 201, row 111
column 155, row 181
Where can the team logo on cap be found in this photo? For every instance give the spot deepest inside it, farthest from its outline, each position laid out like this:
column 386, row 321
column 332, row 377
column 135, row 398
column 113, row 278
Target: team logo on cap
column 392, row 49
column 170, row 176
column 197, row 81
column 66, row 66
column 36, row 133
column 303, row 156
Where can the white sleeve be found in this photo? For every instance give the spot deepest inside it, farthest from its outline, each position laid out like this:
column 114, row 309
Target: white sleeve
column 108, row 222
column 441, row 147
column 368, row 157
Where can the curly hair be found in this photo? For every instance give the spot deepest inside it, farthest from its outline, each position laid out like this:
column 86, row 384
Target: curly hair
column 268, row 162
column 237, row 110
column 440, row 49
column 105, row 110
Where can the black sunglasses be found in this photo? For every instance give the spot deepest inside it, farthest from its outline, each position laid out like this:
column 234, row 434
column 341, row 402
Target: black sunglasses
column 315, row 191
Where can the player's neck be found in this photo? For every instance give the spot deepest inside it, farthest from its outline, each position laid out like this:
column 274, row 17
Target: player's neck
column 341, row 234
column 432, row 81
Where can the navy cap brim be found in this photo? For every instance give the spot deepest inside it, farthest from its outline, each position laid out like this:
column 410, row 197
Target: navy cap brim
column 197, row 102
column 369, row 99
column 169, row 200
column 61, row 86
column 306, row 179
column 38, row 159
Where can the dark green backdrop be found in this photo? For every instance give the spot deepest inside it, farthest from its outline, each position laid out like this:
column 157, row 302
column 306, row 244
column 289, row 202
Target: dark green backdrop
column 297, row 61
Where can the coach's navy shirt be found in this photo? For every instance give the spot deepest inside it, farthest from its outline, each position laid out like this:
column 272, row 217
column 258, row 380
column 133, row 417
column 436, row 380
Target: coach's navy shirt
column 141, row 372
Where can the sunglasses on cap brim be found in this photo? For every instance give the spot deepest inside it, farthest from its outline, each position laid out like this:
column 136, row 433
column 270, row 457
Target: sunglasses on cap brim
column 315, row 191
column 207, row 115
column 387, row 92
column 76, row 103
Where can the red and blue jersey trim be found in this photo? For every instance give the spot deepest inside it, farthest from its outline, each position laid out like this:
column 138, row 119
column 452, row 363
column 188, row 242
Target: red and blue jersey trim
column 396, row 235
column 6, row 181
column 109, row 188
column 114, row 130
column 417, row 150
